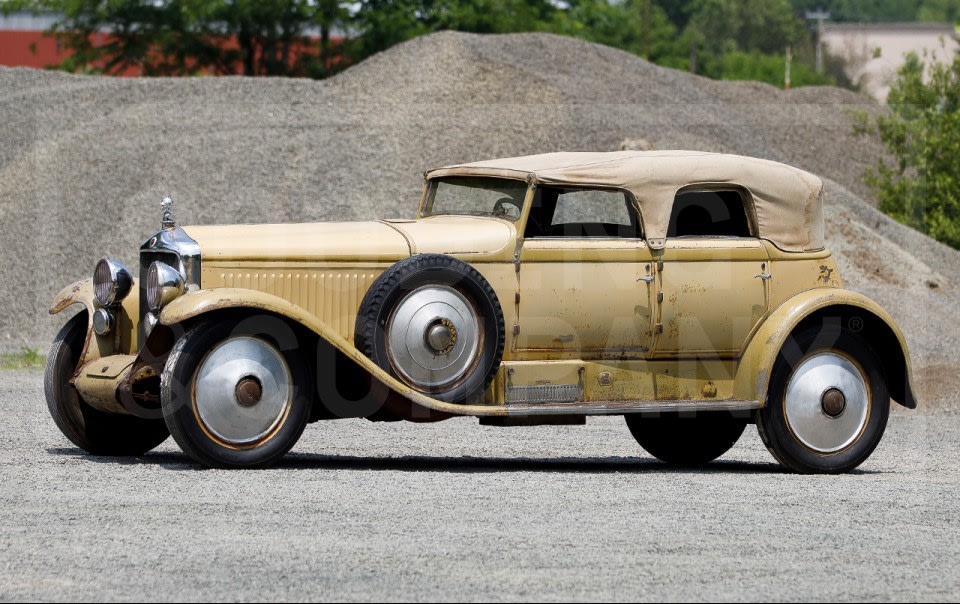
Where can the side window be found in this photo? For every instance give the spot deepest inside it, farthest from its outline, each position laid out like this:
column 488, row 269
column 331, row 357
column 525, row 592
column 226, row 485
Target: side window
column 709, row 214
column 582, row 213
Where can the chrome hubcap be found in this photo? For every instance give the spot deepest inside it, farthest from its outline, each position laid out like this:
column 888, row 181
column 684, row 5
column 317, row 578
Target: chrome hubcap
column 433, row 337
column 243, row 390
column 827, row 402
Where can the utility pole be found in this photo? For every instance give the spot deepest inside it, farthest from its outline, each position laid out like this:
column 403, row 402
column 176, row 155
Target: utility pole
column 819, row 16
column 647, row 26
column 786, row 73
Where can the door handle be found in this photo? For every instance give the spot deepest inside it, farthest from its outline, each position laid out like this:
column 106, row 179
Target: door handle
column 647, row 279
column 763, row 276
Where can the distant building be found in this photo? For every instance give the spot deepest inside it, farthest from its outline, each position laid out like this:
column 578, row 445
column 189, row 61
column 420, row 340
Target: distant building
column 874, row 52
column 22, row 43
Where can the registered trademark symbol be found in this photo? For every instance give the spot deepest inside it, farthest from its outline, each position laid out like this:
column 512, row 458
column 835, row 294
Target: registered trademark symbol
column 855, row 324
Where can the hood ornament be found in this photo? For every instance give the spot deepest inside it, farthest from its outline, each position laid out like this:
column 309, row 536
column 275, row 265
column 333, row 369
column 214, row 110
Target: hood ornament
column 168, row 221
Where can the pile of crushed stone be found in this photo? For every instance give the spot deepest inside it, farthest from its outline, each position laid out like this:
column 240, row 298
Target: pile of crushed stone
column 85, row 160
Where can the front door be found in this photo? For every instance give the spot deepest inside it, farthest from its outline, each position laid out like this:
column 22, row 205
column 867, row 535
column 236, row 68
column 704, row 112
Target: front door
column 586, row 276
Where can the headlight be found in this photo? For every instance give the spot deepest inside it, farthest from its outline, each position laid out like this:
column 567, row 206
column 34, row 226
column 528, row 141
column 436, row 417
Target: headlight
column 164, row 285
column 111, row 282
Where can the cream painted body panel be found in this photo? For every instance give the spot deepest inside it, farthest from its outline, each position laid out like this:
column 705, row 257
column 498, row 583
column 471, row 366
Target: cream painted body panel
column 713, row 297
column 470, row 238
column 325, row 241
column 331, row 292
column 584, row 297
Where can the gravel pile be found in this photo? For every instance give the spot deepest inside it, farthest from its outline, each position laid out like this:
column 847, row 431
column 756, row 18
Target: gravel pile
column 85, row 160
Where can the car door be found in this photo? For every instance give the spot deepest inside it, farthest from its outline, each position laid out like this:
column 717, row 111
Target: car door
column 713, row 273
column 585, row 276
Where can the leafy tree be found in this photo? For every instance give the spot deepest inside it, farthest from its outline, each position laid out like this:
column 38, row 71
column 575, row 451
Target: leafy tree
column 921, row 187
column 753, row 65
column 766, row 26
column 939, row 10
column 717, row 38
column 638, row 26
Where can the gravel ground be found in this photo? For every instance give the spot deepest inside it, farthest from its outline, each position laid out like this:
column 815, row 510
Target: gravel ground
column 455, row 511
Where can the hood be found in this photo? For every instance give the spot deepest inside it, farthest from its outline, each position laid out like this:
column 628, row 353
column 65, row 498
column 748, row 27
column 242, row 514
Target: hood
column 372, row 241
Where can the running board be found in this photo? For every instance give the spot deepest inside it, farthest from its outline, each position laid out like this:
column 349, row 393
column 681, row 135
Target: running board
column 620, row 408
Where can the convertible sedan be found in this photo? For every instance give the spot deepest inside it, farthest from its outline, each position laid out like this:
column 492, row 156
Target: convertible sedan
column 689, row 292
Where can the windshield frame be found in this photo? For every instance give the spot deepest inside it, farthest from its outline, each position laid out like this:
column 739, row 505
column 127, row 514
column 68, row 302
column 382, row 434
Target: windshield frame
column 430, row 189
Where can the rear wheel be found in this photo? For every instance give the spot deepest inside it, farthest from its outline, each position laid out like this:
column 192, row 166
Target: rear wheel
column 687, row 441
column 828, row 403
column 236, row 395
column 92, row 430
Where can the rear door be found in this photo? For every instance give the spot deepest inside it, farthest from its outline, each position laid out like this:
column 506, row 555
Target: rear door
column 713, row 276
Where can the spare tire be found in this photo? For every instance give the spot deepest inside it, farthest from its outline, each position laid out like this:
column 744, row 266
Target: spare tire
column 434, row 323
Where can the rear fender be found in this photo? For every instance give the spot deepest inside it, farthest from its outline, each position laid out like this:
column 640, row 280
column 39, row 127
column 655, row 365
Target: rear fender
column 854, row 311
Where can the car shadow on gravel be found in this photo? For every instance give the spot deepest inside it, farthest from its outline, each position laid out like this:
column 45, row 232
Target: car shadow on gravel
column 462, row 465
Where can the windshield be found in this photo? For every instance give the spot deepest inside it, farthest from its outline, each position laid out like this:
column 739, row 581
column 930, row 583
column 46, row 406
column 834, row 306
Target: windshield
column 498, row 197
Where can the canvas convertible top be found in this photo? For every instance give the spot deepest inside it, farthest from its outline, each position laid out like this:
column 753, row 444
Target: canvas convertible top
column 786, row 200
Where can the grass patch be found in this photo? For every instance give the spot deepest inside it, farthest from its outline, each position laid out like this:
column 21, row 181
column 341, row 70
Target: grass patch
column 27, row 358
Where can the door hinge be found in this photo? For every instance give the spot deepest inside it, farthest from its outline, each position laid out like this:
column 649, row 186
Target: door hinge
column 660, row 297
column 516, row 330
column 659, row 327
column 518, row 298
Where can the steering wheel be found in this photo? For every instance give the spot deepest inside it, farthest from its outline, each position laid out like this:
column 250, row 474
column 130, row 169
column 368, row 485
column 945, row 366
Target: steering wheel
column 500, row 208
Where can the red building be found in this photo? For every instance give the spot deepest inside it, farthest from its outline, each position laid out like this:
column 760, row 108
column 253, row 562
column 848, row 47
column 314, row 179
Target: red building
column 22, row 43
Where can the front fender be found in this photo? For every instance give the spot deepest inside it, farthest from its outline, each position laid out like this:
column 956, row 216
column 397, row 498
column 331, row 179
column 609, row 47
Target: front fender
column 80, row 292
column 202, row 302
column 875, row 325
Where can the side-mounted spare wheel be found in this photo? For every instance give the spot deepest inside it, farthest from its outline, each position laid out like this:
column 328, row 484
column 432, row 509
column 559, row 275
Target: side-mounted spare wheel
column 92, row 430
column 434, row 323
column 236, row 394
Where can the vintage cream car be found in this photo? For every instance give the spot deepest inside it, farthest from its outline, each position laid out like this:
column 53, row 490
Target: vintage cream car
column 689, row 292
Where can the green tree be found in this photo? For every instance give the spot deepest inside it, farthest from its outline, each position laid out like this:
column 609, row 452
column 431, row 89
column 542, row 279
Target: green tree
column 939, row 10
column 921, row 186
column 747, row 40
column 638, row 26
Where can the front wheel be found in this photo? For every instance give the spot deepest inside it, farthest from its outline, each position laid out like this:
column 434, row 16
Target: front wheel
column 828, row 403
column 236, row 394
column 687, row 441
column 92, row 430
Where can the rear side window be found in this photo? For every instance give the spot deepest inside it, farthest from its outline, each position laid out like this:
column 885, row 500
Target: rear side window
column 709, row 214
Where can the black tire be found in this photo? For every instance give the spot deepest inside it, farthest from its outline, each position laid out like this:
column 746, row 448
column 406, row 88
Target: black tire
column 687, row 441
column 92, row 430
column 772, row 420
column 434, row 269
column 179, row 402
